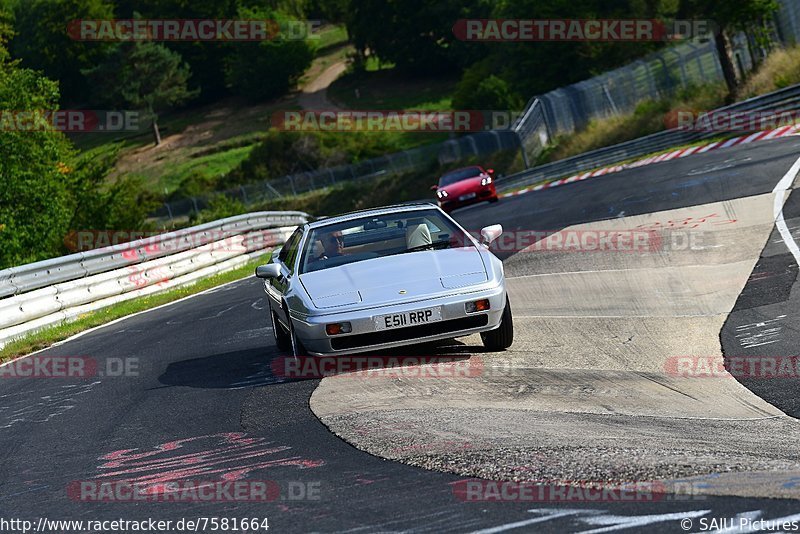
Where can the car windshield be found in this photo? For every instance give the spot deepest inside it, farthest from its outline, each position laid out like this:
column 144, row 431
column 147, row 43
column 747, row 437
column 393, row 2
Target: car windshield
column 374, row 237
column 457, row 176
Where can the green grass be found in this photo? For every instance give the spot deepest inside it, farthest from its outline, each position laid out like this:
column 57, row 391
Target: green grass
column 389, row 90
column 648, row 117
column 331, row 37
column 45, row 338
column 170, row 176
column 779, row 70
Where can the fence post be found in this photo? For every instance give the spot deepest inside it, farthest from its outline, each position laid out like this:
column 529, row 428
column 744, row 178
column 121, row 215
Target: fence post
column 169, row 212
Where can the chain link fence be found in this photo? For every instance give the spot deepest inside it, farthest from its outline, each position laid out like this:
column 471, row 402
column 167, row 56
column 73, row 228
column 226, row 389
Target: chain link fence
column 619, row 91
column 558, row 112
column 447, row 152
column 788, row 19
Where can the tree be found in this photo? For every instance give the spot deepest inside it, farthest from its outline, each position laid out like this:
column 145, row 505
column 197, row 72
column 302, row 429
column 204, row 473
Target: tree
column 480, row 89
column 416, row 35
column 143, row 75
column 728, row 16
column 535, row 68
column 43, row 43
column 206, row 59
column 35, row 181
column 267, row 69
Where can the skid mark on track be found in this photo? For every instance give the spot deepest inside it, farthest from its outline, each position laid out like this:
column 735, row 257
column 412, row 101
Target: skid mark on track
column 228, row 456
column 761, row 333
column 19, row 408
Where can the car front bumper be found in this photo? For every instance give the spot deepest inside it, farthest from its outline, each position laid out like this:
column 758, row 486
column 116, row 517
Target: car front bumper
column 483, row 195
column 456, row 322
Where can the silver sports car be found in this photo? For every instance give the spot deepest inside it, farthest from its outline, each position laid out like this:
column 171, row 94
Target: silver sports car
column 385, row 277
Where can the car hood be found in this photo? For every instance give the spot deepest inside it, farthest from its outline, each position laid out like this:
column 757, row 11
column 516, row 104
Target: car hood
column 395, row 279
column 463, row 186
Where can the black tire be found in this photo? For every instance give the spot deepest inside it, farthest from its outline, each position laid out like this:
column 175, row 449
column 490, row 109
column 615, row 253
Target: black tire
column 494, row 199
column 503, row 336
column 295, row 346
column 282, row 339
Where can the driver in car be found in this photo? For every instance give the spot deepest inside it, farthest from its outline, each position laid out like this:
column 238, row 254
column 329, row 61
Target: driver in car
column 332, row 245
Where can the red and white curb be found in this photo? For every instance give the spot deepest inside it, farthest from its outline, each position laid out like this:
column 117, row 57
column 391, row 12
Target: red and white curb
column 682, row 153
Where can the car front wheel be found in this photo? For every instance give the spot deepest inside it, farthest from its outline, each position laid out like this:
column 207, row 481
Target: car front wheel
column 282, row 339
column 503, row 336
column 295, row 344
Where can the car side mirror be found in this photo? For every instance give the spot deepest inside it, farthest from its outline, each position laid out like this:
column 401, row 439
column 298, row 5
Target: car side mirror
column 273, row 270
column 490, row 171
column 490, row 233
column 434, row 187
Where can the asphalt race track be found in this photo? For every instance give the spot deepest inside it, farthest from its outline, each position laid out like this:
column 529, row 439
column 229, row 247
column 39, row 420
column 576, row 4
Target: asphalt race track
column 587, row 391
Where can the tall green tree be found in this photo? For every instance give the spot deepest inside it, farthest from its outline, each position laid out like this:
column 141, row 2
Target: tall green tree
column 206, row 59
column 729, row 17
column 143, row 75
column 35, row 181
column 416, row 35
column 43, row 43
column 535, row 68
column 45, row 190
column 266, row 69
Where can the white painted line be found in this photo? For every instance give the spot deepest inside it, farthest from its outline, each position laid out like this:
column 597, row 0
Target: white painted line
column 730, row 142
column 552, row 514
column 709, row 147
column 752, row 137
column 774, row 133
column 777, row 209
column 690, row 151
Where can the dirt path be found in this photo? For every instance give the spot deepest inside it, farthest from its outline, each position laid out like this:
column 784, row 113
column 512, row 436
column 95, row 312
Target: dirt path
column 314, row 94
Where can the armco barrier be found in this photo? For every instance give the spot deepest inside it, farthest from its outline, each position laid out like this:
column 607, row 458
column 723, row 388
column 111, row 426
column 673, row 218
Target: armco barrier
column 787, row 99
column 45, row 293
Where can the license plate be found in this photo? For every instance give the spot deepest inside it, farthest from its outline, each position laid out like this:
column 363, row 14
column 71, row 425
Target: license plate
column 467, row 196
column 412, row 318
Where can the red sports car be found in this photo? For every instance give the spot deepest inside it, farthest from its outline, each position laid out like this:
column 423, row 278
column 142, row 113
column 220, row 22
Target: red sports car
column 462, row 187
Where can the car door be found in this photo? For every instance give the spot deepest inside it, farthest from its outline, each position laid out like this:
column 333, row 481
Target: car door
column 277, row 288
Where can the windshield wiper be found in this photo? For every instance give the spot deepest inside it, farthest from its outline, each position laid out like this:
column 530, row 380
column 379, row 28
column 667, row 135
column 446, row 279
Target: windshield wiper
column 427, row 246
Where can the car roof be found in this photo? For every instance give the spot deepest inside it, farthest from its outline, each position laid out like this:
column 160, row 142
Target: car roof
column 372, row 212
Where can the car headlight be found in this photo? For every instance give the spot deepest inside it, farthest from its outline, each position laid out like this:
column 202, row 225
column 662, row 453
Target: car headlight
column 486, row 181
column 441, row 193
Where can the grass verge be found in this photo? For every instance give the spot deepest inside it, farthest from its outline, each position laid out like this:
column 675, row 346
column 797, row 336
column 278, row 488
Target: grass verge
column 45, row 338
column 389, row 90
column 648, row 118
column 779, row 70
